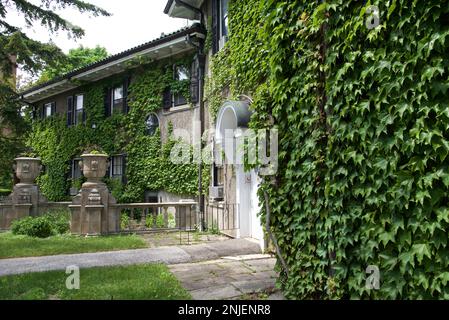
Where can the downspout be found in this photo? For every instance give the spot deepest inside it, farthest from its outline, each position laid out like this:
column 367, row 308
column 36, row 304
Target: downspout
column 201, row 72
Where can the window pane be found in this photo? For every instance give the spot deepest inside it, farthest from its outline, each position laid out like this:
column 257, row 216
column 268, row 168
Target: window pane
column 182, row 74
column 117, row 107
column 179, row 100
column 117, row 100
column 79, row 116
column 76, row 169
column 48, row 108
column 79, row 102
column 117, row 166
column 224, row 17
column 118, row 93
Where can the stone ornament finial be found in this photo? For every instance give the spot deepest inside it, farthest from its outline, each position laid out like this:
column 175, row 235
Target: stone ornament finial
column 94, row 197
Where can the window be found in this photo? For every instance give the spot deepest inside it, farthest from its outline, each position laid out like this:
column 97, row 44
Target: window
column 49, row 109
column 79, row 109
column 180, row 74
column 117, row 166
column 117, row 100
column 222, row 24
column 224, row 18
column 218, row 175
column 151, row 124
column 76, row 169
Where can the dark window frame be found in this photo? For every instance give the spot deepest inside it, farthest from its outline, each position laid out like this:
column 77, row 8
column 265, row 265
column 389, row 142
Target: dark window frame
column 224, row 19
column 177, row 98
column 52, row 106
column 121, row 164
column 76, row 168
column 77, row 112
column 218, row 175
column 117, row 104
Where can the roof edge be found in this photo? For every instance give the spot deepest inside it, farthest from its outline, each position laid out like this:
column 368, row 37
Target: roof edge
column 196, row 27
column 168, row 6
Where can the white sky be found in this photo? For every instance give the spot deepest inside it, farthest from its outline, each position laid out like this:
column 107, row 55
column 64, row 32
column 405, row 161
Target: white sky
column 133, row 22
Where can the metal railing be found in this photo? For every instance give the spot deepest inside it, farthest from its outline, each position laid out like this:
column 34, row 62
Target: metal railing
column 222, row 217
column 154, row 217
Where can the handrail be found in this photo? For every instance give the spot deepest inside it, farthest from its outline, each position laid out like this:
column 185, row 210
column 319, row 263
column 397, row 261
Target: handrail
column 153, row 204
column 63, row 203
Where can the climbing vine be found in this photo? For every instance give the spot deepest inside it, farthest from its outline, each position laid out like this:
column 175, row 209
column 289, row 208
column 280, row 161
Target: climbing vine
column 148, row 164
column 362, row 116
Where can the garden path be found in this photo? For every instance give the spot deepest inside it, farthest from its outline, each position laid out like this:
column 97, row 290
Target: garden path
column 168, row 255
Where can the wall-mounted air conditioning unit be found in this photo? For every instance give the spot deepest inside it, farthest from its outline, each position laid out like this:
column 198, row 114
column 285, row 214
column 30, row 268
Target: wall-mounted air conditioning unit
column 216, row 193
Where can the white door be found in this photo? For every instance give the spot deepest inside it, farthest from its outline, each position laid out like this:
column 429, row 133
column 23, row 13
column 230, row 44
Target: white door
column 256, row 224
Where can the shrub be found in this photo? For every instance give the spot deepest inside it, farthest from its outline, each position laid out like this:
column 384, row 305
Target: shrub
column 124, row 221
column 40, row 227
column 60, row 220
column 160, row 221
column 5, row 192
column 51, row 223
column 149, row 221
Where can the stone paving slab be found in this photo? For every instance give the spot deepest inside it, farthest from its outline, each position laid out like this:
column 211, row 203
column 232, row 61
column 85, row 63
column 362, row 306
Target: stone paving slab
column 168, row 255
column 229, row 277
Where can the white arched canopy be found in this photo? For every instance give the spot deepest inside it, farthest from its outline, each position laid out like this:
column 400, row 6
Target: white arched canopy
column 232, row 115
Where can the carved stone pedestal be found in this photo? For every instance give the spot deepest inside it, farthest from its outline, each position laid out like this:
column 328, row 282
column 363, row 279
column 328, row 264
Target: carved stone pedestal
column 92, row 213
column 26, row 199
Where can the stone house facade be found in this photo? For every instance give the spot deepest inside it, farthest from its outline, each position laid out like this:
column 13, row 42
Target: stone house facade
column 64, row 97
column 231, row 204
column 233, row 190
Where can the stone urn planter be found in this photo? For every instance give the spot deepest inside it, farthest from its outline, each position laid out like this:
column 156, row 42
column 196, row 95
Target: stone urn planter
column 94, row 166
column 27, row 169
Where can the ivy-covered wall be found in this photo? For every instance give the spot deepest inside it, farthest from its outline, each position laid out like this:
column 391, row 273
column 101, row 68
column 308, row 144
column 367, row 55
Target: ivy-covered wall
column 363, row 120
column 148, row 166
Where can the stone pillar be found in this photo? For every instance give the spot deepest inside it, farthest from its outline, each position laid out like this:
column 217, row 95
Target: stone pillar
column 27, row 192
column 92, row 213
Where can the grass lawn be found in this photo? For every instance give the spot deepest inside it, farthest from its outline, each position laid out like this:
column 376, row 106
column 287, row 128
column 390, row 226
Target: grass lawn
column 13, row 246
column 137, row 282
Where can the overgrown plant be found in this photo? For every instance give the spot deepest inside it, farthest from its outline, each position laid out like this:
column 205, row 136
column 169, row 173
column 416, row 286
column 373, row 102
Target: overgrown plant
column 362, row 117
column 148, row 164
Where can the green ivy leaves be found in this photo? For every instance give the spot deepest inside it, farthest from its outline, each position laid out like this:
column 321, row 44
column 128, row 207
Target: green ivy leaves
column 363, row 123
column 148, row 166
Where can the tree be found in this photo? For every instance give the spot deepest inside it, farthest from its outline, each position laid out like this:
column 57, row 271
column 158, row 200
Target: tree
column 16, row 48
column 76, row 58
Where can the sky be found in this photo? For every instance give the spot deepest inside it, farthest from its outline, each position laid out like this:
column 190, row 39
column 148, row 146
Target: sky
column 133, row 22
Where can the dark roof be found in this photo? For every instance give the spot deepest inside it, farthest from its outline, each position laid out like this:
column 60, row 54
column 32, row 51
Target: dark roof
column 164, row 38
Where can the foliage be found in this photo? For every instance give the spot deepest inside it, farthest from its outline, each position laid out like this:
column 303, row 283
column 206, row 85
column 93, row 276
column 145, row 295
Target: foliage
column 138, row 282
column 160, row 221
column 39, row 227
column 16, row 48
column 148, row 164
column 124, row 221
column 12, row 127
column 362, row 118
column 31, row 54
column 76, row 58
column 51, row 223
